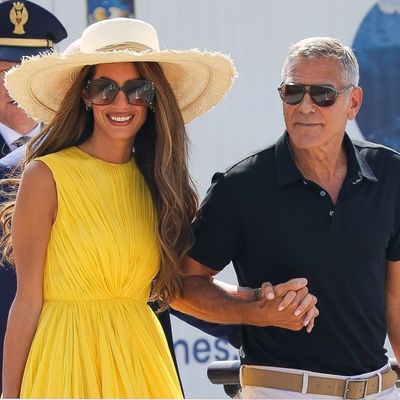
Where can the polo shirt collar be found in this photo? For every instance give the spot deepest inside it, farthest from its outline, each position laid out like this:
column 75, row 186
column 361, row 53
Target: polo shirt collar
column 287, row 171
column 357, row 165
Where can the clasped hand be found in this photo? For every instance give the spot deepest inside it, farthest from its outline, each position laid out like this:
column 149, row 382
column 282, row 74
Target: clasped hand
column 288, row 305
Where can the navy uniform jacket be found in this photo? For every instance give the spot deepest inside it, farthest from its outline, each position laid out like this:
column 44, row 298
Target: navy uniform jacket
column 4, row 150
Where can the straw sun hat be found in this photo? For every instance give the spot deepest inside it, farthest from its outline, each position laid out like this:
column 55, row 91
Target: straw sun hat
column 199, row 79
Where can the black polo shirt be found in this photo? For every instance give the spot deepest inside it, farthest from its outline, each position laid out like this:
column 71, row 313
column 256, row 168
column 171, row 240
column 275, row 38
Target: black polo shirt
column 275, row 225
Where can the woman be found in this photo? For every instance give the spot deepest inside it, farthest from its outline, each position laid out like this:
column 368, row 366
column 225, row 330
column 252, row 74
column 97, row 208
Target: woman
column 93, row 225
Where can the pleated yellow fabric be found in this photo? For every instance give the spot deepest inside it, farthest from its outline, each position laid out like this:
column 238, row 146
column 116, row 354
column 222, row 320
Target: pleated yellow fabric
column 96, row 336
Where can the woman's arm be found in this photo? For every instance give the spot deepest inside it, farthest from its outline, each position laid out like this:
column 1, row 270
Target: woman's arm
column 33, row 217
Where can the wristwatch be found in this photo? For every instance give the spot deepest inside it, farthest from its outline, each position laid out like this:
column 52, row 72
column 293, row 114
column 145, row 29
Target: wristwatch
column 257, row 294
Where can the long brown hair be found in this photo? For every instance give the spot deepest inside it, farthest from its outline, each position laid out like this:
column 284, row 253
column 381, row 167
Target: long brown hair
column 161, row 152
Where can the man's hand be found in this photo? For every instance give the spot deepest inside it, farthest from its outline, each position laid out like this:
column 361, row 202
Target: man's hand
column 292, row 300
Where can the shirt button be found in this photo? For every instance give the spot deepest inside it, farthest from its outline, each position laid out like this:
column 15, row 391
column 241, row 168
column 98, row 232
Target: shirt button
column 305, row 182
column 322, row 193
column 331, row 213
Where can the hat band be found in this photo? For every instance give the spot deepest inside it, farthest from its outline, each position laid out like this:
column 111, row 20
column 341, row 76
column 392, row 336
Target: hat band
column 126, row 46
column 26, row 42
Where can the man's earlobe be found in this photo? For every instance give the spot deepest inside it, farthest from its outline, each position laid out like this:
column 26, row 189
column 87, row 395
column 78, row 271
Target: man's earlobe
column 355, row 103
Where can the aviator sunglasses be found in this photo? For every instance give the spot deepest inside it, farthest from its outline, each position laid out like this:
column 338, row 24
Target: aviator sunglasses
column 103, row 91
column 321, row 95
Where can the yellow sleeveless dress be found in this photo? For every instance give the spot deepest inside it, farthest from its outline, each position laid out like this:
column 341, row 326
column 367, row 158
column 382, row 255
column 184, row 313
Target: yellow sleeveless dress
column 96, row 336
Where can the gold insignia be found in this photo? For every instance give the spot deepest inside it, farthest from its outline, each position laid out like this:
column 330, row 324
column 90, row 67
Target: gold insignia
column 18, row 17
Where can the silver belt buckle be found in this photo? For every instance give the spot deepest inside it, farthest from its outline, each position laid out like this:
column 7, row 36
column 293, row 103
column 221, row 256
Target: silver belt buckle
column 357, row 380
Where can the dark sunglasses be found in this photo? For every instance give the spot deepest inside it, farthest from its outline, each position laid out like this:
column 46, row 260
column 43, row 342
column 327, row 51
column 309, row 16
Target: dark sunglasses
column 321, row 95
column 103, row 91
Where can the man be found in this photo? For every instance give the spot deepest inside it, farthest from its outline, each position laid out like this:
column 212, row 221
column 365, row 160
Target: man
column 25, row 30
column 313, row 204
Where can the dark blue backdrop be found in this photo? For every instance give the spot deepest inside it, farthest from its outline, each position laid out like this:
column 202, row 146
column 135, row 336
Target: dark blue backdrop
column 377, row 47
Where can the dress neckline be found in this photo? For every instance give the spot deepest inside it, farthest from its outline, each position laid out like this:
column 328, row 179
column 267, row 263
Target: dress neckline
column 100, row 160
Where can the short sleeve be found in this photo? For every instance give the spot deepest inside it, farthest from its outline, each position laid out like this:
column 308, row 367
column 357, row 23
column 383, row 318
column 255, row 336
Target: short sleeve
column 217, row 227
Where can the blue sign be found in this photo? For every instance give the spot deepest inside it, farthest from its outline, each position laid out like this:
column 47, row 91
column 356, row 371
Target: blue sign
column 204, row 351
column 104, row 9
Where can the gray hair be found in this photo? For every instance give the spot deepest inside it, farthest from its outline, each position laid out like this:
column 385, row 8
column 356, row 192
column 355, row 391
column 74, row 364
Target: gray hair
column 318, row 47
